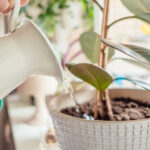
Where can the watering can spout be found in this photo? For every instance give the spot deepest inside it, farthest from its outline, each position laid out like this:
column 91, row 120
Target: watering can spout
column 24, row 53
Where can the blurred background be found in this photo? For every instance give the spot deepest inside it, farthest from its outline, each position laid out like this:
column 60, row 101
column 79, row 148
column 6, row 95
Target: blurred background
column 24, row 120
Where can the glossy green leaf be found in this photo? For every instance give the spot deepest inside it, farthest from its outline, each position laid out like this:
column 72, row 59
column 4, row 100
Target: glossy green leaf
column 141, row 8
column 145, row 17
column 137, row 6
column 144, row 52
column 111, row 53
column 92, row 74
column 134, row 62
column 139, row 53
column 90, row 44
column 144, row 85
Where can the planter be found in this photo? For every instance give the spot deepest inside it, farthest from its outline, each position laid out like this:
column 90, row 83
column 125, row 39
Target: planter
column 79, row 134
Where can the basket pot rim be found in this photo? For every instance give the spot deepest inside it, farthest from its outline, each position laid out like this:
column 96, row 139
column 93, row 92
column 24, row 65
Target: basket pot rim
column 52, row 110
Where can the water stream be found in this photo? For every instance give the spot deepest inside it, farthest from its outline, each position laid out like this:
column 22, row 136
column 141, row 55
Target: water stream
column 68, row 86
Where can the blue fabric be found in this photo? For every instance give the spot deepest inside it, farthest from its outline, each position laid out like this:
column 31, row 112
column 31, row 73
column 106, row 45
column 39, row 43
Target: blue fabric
column 1, row 104
column 119, row 80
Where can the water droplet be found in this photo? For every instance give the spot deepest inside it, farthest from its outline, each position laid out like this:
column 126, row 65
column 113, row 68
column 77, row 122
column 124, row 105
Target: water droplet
column 88, row 117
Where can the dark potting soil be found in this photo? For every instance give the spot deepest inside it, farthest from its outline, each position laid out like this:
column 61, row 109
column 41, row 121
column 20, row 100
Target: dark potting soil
column 123, row 109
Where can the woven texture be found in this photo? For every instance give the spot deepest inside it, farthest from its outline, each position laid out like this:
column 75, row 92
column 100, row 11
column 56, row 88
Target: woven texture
column 77, row 134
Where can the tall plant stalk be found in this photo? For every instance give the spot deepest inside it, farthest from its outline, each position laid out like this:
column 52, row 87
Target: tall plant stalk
column 105, row 103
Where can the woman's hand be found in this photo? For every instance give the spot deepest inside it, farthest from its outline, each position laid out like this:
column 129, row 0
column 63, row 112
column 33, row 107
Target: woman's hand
column 7, row 5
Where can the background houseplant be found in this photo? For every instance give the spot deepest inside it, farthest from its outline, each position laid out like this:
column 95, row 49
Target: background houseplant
column 49, row 13
column 81, row 134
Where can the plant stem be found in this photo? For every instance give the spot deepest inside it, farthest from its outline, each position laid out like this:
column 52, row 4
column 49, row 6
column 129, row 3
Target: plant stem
column 97, row 3
column 102, row 56
column 96, row 106
column 102, row 63
column 68, row 51
column 76, row 55
column 99, row 95
column 121, row 19
column 108, row 105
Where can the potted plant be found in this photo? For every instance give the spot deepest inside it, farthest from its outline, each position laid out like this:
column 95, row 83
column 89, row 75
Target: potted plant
column 117, row 119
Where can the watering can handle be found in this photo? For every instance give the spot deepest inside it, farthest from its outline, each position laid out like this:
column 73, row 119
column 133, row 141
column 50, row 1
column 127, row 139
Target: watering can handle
column 14, row 16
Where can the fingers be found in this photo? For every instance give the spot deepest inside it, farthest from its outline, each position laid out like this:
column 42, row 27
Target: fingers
column 24, row 2
column 4, row 5
column 11, row 5
column 7, row 5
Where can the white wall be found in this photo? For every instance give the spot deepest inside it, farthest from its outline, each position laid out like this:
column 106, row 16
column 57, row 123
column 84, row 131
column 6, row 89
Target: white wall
column 98, row 17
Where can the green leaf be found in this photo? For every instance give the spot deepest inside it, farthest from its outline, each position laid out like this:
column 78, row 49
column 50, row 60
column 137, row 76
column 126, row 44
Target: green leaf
column 140, row 8
column 137, row 6
column 144, row 85
column 145, row 17
column 92, row 74
column 139, row 53
column 144, row 52
column 111, row 53
column 134, row 62
column 90, row 44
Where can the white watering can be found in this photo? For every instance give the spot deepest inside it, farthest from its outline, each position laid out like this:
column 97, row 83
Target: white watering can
column 25, row 51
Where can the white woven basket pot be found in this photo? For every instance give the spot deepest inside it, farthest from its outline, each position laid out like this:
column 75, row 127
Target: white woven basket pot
column 79, row 134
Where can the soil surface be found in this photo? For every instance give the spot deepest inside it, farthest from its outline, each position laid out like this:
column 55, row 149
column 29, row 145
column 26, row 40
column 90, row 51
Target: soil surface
column 123, row 109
